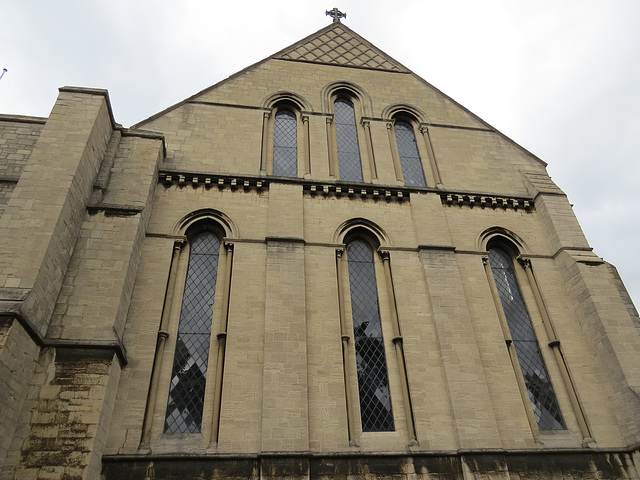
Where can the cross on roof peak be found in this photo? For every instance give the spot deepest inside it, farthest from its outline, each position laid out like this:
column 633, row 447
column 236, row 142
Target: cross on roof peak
column 336, row 14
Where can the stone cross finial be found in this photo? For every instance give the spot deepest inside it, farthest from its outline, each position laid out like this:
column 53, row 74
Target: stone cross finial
column 336, row 14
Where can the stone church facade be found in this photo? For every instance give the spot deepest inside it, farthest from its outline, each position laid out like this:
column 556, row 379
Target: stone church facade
column 320, row 267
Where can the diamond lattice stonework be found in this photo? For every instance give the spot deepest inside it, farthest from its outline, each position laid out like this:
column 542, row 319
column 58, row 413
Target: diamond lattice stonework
column 338, row 45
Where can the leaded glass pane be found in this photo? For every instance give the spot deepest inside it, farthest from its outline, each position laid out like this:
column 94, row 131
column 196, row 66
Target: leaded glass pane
column 349, row 161
column 189, row 374
column 536, row 377
column 285, row 144
column 409, row 156
column 373, row 382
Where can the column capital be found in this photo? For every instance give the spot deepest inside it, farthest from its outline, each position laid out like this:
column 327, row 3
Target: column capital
column 525, row 262
column 384, row 255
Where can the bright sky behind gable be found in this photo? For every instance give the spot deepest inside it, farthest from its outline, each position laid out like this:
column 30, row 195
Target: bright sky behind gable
column 561, row 77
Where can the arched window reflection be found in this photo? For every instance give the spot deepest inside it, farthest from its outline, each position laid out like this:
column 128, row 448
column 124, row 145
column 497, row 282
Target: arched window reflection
column 349, row 162
column 536, row 377
column 189, row 373
column 285, row 144
column 373, row 379
column 409, row 157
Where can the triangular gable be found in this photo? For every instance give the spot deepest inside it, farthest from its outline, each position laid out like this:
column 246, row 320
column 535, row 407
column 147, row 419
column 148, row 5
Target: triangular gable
column 336, row 44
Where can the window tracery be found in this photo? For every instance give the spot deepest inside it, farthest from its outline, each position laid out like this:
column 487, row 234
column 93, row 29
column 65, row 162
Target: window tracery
column 189, row 372
column 410, row 161
column 349, row 160
column 522, row 342
column 285, row 144
column 373, row 380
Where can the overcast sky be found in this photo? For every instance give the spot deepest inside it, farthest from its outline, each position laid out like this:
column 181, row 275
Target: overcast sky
column 560, row 77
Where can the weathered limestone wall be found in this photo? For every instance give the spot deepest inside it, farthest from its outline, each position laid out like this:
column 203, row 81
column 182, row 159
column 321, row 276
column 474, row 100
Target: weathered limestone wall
column 45, row 213
column 18, row 359
column 470, row 154
column 102, row 213
column 488, row 466
column 70, row 422
column 96, row 293
column 60, row 398
column 18, row 136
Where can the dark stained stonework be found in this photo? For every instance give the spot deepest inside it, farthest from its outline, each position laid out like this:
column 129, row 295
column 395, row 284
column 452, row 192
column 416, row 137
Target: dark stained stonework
column 572, row 464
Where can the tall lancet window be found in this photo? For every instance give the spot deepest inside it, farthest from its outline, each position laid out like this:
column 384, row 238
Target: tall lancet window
column 373, row 379
column 536, row 377
column 349, row 163
column 285, row 144
column 189, row 374
column 409, row 156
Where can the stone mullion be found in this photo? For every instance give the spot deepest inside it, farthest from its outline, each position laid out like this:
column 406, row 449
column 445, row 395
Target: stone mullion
column 398, row 347
column 366, row 124
column 226, row 266
column 264, row 154
column 522, row 387
column 163, row 335
column 554, row 343
column 395, row 154
column 307, row 147
column 332, row 146
column 431, row 154
column 345, row 330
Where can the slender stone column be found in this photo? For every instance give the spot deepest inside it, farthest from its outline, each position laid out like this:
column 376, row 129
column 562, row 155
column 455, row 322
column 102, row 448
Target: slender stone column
column 397, row 167
column 399, row 348
column 346, row 365
column 533, row 424
column 372, row 161
column 307, row 147
column 432, row 156
column 265, row 142
column 554, row 343
column 163, row 335
column 222, row 340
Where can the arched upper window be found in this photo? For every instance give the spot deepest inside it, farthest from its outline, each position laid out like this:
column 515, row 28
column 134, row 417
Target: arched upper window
column 410, row 161
column 373, row 379
column 189, row 373
column 285, row 144
column 349, row 161
column 534, row 371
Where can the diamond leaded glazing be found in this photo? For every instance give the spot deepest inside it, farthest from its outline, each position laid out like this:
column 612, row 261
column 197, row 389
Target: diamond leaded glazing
column 373, row 381
column 189, row 375
column 285, row 144
column 409, row 156
column 349, row 162
column 543, row 398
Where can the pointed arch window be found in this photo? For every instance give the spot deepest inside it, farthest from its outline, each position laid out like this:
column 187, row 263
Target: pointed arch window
column 189, row 372
column 373, row 380
column 285, row 144
column 410, row 161
column 349, row 161
column 523, row 340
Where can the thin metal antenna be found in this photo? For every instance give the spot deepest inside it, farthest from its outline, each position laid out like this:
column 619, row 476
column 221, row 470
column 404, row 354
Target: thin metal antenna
column 4, row 70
